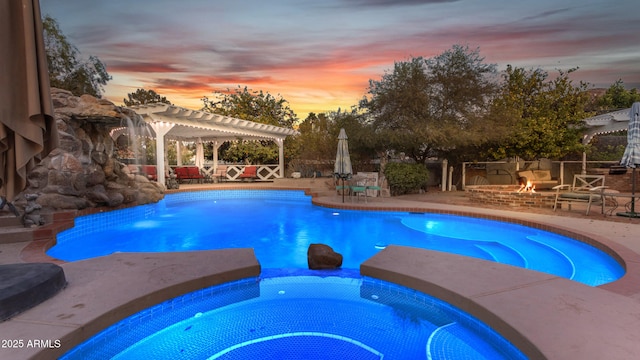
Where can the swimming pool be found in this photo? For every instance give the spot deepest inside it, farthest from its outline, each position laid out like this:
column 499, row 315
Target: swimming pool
column 338, row 316
column 280, row 225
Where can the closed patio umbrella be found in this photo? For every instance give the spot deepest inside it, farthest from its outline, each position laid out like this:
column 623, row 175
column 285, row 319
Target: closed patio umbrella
column 631, row 156
column 342, row 168
column 28, row 130
column 199, row 153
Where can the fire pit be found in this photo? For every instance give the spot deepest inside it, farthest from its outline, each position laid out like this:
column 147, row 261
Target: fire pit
column 510, row 196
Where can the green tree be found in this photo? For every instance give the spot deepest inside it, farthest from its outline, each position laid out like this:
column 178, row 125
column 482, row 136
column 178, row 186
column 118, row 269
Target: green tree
column 318, row 139
column 364, row 143
column 545, row 116
column 616, row 97
column 256, row 106
column 142, row 96
column 429, row 107
column 316, row 132
column 66, row 69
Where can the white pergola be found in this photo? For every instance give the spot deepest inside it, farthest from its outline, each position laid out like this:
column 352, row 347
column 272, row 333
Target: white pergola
column 170, row 122
column 606, row 123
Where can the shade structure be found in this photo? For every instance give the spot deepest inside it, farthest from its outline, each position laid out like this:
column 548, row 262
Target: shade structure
column 342, row 168
column 170, row 122
column 631, row 156
column 27, row 127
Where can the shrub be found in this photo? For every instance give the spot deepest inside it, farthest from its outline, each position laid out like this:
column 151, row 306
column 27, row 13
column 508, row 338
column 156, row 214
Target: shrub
column 405, row 178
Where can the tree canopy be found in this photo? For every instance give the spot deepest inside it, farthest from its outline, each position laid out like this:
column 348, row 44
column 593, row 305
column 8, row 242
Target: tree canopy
column 66, row 69
column 545, row 115
column 142, row 96
column 257, row 106
column 428, row 106
column 617, row 97
column 247, row 104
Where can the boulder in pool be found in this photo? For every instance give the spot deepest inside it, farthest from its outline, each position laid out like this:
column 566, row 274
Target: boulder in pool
column 322, row 257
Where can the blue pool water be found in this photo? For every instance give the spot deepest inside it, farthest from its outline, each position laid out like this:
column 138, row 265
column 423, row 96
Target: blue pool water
column 280, row 225
column 300, row 317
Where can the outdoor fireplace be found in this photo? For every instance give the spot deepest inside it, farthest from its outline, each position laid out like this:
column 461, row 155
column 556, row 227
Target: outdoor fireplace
column 510, row 196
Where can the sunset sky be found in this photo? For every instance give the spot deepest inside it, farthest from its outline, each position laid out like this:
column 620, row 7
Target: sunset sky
column 319, row 55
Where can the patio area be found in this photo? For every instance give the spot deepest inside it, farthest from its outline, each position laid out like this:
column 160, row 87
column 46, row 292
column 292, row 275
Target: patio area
column 545, row 315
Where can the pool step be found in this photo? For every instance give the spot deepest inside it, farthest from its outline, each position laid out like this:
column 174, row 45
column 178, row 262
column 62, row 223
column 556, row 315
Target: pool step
column 9, row 220
column 12, row 230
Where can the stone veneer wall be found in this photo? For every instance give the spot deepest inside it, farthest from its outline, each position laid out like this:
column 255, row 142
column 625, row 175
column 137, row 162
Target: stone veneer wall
column 507, row 196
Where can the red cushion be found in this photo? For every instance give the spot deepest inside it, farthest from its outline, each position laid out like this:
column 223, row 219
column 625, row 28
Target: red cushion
column 249, row 171
column 194, row 172
column 150, row 170
column 181, row 172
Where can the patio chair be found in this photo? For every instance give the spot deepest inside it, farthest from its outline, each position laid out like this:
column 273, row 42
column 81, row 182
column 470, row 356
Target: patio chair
column 341, row 186
column 193, row 173
column 150, row 172
column 250, row 173
column 358, row 188
column 221, row 173
column 585, row 189
column 181, row 173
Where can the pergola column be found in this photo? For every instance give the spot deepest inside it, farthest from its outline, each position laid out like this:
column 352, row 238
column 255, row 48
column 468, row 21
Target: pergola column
column 178, row 153
column 280, row 143
column 216, row 146
column 161, row 129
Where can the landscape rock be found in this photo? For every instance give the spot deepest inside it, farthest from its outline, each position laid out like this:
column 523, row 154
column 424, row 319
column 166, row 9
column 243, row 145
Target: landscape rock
column 321, row 257
column 83, row 172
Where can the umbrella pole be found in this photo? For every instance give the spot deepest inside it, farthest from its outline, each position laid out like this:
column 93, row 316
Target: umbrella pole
column 342, row 189
column 633, row 193
column 632, row 213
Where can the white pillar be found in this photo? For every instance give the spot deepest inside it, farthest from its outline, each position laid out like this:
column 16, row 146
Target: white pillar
column 449, row 180
column 199, row 153
column 161, row 129
column 178, row 153
column 464, row 174
column 445, row 166
column 280, row 143
column 216, row 146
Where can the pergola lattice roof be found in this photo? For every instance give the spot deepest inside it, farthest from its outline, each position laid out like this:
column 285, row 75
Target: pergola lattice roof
column 166, row 121
column 606, row 123
column 192, row 124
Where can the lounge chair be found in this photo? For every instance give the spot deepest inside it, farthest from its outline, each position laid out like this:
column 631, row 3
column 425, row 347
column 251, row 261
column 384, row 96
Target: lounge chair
column 194, row 174
column 585, row 189
column 181, row 173
column 188, row 173
column 250, row 173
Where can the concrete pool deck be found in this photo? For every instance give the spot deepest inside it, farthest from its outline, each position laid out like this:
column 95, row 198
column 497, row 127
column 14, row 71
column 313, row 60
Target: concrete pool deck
column 545, row 315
